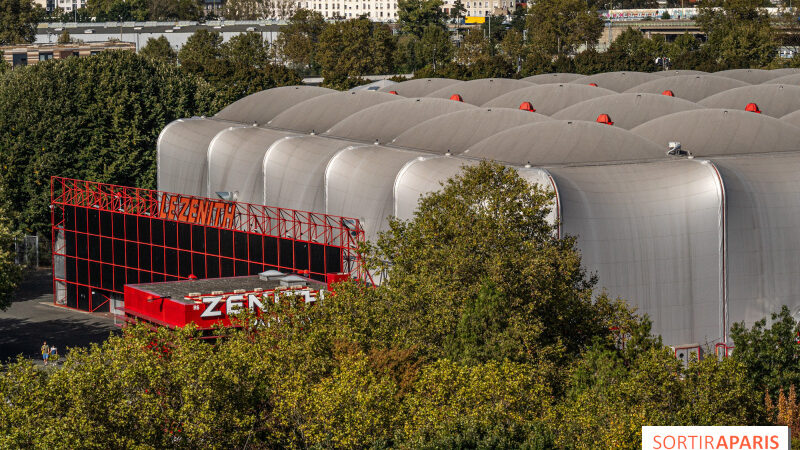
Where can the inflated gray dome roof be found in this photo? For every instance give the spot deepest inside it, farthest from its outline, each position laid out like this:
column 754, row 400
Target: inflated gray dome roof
column 717, row 132
column 689, row 87
column 419, row 87
column 751, row 76
column 774, row 100
column 792, row 118
column 549, row 78
column 455, row 132
column 320, row 113
column 675, row 73
column 617, row 81
column 478, row 92
column 263, row 106
column 385, row 121
column 564, row 142
column 626, row 110
column 790, row 78
column 548, row 98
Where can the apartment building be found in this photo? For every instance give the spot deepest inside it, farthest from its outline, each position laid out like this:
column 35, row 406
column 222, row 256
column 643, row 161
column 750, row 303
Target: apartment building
column 375, row 10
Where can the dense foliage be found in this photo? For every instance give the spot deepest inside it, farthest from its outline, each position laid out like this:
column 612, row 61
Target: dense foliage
column 487, row 335
column 18, row 21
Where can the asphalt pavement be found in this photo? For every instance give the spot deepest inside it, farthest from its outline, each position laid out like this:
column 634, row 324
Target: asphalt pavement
column 32, row 319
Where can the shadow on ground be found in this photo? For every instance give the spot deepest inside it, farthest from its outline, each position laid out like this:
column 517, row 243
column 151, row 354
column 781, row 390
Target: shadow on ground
column 32, row 319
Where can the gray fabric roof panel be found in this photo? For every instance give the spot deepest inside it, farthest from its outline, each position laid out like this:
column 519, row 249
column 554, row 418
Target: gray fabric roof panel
column 320, row 113
column 675, row 73
column 774, row 100
column 617, row 81
column 750, row 76
column 181, row 150
column 423, row 176
column 455, row 132
column 359, row 183
column 792, row 79
column 714, row 132
column 762, row 195
column 375, row 86
column 549, row 78
column 419, row 87
column 689, row 87
column 478, row 92
column 548, row 98
column 294, row 171
column 565, row 142
column 385, row 121
column 652, row 233
column 792, row 118
column 234, row 162
column 263, row 106
column 626, row 110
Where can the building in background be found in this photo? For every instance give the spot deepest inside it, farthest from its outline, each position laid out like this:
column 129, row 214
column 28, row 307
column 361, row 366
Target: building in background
column 28, row 54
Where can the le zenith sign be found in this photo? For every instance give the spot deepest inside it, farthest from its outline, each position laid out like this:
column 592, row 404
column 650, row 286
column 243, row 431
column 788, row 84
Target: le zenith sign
column 200, row 211
column 220, row 306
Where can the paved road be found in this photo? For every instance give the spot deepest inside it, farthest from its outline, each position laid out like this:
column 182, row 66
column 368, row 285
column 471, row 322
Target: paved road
column 32, row 318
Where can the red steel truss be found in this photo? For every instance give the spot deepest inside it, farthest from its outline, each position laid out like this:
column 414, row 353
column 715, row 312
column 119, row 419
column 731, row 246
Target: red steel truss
column 341, row 234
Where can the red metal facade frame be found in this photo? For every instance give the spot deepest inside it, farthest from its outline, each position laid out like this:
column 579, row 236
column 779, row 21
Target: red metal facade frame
column 298, row 227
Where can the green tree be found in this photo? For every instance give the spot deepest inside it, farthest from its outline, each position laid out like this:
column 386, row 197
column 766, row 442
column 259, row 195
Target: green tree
column 350, row 49
column 113, row 10
column 740, row 33
column 202, row 54
column 4, row 66
column 159, row 50
column 458, row 11
column 434, row 49
column 10, row 273
column 245, row 9
column 414, row 16
column 297, row 42
column 90, row 118
column 512, row 48
column 559, row 27
column 64, row 38
column 631, row 51
column 18, row 20
column 473, row 47
column 175, row 9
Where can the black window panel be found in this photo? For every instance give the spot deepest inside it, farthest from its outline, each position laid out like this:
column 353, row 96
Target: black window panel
column 118, row 222
column 144, row 276
column 256, row 268
column 198, row 239
column 226, row 267
column 333, row 256
column 69, row 239
column 185, row 264
column 254, row 245
column 107, row 282
column 170, row 233
column 100, row 302
column 71, row 270
column 144, row 229
column 94, row 247
column 119, row 252
column 80, row 219
column 301, row 256
column 94, row 221
column 285, row 255
column 72, row 296
column 212, row 266
column 171, row 278
column 105, row 223
column 106, row 250
column 184, row 236
column 132, row 254
column 94, row 273
column 199, row 265
column 171, row 261
column 212, row 241
column 83, row 271
column 317, row 258
column 132, row 276
column 81, row 245
column 156, row 278
column 158, row 259
column 119, row 278
column 157, row 231
column 69, row 217
column 144, row 257
column 83, row 298
column 226, row 243
column 242, row 268
column 130, row 227
column 240, row 245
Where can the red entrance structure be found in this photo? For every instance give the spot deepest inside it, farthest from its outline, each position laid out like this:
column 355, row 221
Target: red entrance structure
column 105, row 236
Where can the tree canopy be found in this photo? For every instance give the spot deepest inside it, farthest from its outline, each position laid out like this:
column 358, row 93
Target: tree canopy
column 18, row 20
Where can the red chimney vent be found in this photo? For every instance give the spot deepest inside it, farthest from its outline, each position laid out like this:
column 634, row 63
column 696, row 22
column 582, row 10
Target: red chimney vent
column 604, row 118
column 393, row 92
column 527, row 106
column 752, row 107
column 668, row 93
column 593, row 84
column 456, row 97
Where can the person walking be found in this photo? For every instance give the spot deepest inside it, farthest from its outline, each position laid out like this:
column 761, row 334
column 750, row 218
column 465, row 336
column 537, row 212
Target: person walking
column 45, row 352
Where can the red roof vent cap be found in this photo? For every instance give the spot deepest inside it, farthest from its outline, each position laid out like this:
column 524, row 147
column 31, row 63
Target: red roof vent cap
column 593, row 84
column 668, row 93
column 527, row 106
column 393, row 92
column 604, row 118
column 456, row 97
column 752, row 107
